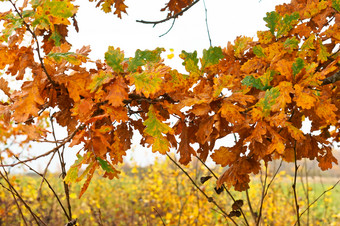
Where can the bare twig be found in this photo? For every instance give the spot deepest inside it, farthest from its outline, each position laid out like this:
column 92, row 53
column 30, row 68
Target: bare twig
column 206, row 21
column 210, row 199
column 294, row 186
column 159, row 215
column 172, row 25
column 322, row 194
column 63, row 170
column 262, row 196
column 170, row 17
column 15, row 192
column 49, row 185
column 225, row 188
column 67, row 139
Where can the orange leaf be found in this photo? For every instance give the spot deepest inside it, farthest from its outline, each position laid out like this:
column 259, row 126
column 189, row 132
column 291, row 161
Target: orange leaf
column 117, row 92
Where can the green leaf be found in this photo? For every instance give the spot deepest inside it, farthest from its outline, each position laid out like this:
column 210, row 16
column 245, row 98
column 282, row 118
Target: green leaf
column 272, row 20
column 297, row 66
column 15, row 23
column 72, row 173
column 144, row 57
column 105, row 165
column 156, row 128
column 211, row 56
column 59, row 8
column 114, row 58
column 250, row 80
column 27, row 13
column 190, row 61
column 56, row 37
column 291, row 43
column 269, row 100
column 258, row 51
column 286, row 24
column 261, row 83
column 70, row 57
column 336, row 5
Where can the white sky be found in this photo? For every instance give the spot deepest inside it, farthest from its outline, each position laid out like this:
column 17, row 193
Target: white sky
column 227, row 19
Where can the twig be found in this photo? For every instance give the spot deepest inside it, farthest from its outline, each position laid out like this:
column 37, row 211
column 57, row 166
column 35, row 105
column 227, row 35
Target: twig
column 16, row 203
column 37, row 42
column 81, row 127
column 172, row 25
column 159, row 215
column 49, row 185
column 262, row 196
column 210, row 199
column 332, row 79
column 322, row 194
column 168, row 18
column 253, row 214
column 224, row 187
column 14, row 191
column 294, row 186
column 206, row 21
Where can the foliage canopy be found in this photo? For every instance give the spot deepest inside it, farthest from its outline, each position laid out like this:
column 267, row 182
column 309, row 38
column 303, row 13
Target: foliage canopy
column 289, row 74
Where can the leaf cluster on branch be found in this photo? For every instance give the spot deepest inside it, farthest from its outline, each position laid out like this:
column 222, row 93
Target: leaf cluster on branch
column 289, row 74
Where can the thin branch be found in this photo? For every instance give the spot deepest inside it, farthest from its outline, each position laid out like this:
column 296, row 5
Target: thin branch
column 253, row 214
column 172, row 25
column 262, row 196
column 225, row 188
column 16, row 203
column 332, row 79
column 168, row 18
column 49, row 152
column 206, row 21
column 294, row 186
column 63, row 170
column 49, row 185
column 322, row 194
column 210, row 199
column 37, row 42
column 14, row 191
column 159, row 215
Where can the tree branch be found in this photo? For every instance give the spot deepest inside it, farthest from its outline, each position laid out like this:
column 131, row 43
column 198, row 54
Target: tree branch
column 49, row 152
column 332, row 79
column 168, row 18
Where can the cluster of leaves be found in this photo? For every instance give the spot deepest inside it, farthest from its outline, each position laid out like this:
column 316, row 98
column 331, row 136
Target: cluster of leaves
column 258, row 91
column 161, row 193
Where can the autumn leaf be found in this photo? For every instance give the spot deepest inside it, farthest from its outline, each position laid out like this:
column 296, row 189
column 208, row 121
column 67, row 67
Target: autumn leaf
column 326, row 161
column 117, row 92
column 242, row 44
column 155, row 128
column 99, row 80
column 304, row 97
column 291, row 44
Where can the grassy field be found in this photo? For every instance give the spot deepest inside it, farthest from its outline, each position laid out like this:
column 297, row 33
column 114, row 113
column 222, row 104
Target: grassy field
column 162, row 194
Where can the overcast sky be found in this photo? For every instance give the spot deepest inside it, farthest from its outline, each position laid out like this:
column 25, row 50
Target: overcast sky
column 227, row 19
